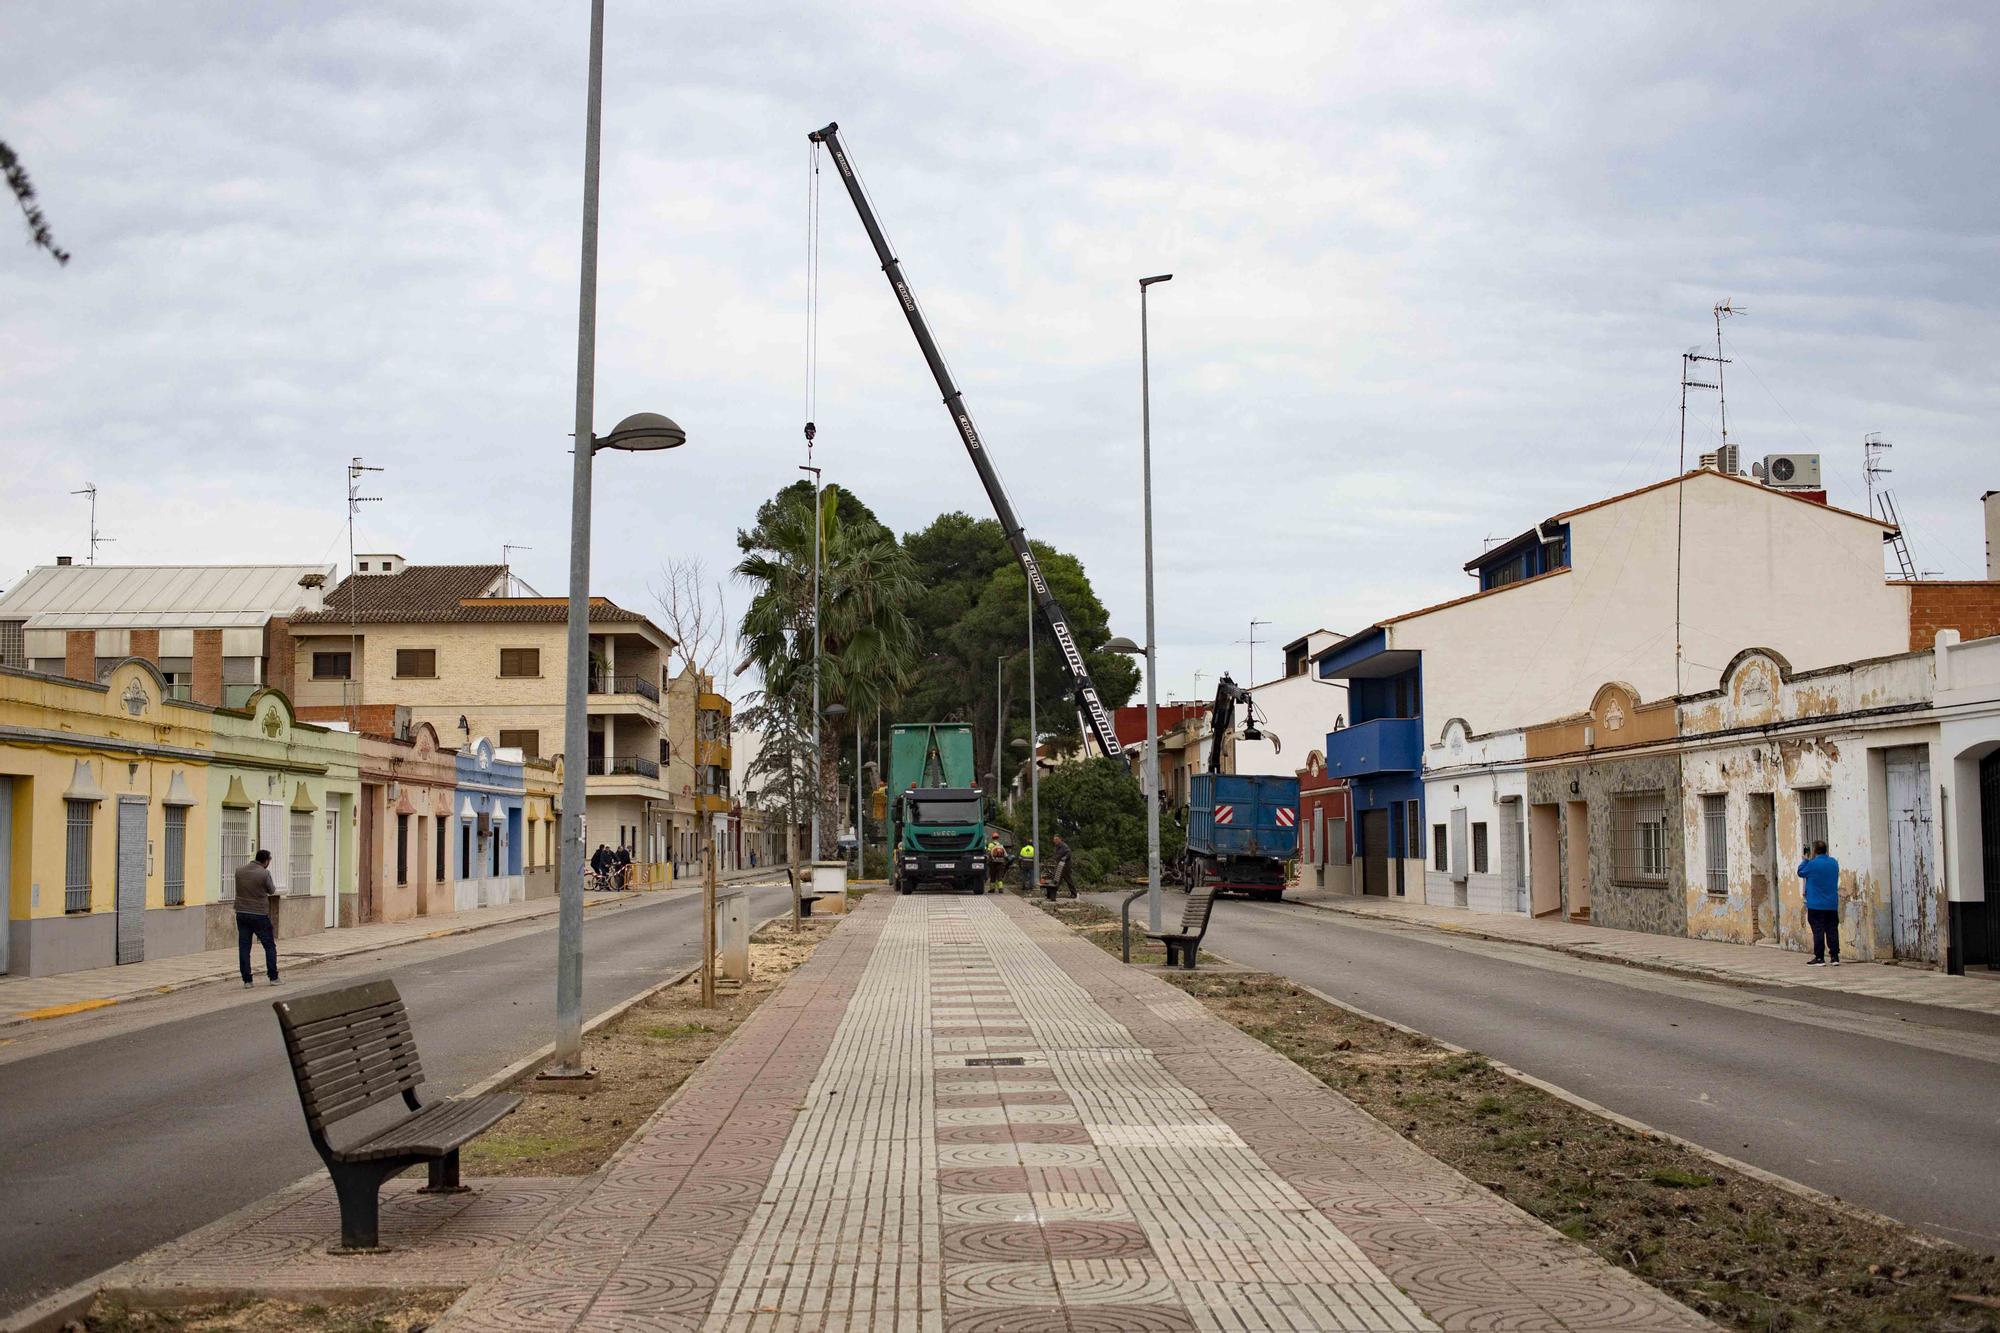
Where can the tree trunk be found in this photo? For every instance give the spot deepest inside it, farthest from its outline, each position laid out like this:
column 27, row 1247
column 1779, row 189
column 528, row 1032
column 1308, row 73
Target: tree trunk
column 829, row 795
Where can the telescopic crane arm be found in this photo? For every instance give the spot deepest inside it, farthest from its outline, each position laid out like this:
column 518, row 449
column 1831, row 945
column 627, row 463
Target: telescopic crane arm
column 1222, row 717
column 1095, row 715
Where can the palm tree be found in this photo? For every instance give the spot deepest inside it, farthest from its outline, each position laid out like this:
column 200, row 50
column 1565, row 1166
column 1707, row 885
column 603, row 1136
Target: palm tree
column 867, row 642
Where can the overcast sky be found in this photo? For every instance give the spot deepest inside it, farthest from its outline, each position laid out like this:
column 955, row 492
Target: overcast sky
column 1434, row 268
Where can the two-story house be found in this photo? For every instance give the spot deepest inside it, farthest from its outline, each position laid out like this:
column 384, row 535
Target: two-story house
column 699, row 766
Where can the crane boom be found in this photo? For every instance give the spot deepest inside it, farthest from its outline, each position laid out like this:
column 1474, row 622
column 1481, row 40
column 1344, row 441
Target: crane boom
column 1088, row 702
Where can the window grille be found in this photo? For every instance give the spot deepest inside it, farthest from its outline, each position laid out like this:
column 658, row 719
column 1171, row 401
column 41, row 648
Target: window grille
column 402, row 849
column 1438, row 845
column 1812, row 818
column 76, row 870
column 1715, row 837
column 302, row 852
column 235, row 850
column 1413, row 829
column 175, row 868
column 1479, row 849
column 1639, row 836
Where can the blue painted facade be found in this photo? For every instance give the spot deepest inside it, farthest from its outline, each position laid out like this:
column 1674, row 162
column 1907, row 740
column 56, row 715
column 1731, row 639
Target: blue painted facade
column 1539, row 550
column 488, row 813
column 1380, row 751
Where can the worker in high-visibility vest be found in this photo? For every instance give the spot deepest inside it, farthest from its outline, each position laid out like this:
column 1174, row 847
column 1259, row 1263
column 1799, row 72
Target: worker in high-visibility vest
column 996, row 863
column 1027, row 867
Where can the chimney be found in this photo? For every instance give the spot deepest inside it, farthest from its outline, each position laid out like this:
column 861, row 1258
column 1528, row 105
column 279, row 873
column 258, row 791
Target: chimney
column 65, row 560
column 1992, row 502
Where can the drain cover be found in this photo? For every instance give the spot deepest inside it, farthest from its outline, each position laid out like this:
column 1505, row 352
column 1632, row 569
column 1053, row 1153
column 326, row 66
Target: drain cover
column 990, row 1060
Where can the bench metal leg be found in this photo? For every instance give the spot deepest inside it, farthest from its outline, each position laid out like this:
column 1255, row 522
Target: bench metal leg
column 359, row 1190
column 444, row 1176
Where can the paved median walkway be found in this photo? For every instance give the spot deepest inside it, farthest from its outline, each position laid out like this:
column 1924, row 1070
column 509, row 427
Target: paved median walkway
column 960, row 1117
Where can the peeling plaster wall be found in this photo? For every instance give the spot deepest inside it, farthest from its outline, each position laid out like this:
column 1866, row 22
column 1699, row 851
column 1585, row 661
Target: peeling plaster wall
column 1658, row 910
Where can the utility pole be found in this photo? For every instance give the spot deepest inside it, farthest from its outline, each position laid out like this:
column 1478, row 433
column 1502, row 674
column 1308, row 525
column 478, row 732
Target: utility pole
column 999, row 728
column 1034, row 757
column 96, row 540
column 355, row 469
column 1152, row 632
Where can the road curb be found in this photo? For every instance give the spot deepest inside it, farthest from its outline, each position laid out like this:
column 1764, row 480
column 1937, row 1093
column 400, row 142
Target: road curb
column 1798, row 1188
column 49, row 1314
column 23, row 1017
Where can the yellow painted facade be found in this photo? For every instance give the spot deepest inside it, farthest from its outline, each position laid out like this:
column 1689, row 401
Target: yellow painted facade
column 85, row 765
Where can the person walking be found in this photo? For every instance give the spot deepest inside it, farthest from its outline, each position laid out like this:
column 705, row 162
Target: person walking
column 996, row 864
column 1062, row 875
column 254, row 892
column 1822, row 876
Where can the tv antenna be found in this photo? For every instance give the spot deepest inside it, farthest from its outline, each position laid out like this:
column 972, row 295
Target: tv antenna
column 355, row 499
column 1873, row 447
column 507, row 550
column 96, row 539
column 1722, row 308
column 1253, row 641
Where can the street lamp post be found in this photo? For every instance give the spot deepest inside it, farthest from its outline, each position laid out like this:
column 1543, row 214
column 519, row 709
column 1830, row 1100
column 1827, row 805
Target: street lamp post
column 1152, row 638
column 1034, row 754
column 642, row 431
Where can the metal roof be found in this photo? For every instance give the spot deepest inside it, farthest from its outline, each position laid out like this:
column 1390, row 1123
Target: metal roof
column 160, row 596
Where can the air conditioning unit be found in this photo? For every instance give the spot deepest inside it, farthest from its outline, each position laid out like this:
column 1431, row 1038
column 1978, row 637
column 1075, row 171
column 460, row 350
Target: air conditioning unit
column 1789, row 472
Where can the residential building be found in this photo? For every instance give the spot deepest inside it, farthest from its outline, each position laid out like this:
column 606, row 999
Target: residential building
column 1475, row 790
column 541, row 788
column 214, row 632
column 1967, row 707
column 699, row 764
column 124, row 813
column 1651, row 588
column 489, row 826
column 1183, row 735
column 1295, row 710
column 440, row 643
column 1326, row 844
column 404, row 829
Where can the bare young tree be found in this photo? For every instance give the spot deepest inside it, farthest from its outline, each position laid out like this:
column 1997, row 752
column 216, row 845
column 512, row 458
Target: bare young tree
column 695, row 611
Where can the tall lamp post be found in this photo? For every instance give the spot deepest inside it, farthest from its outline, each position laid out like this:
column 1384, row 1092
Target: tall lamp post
column 1034, row 753
column 1124, row 645
column 639, row 432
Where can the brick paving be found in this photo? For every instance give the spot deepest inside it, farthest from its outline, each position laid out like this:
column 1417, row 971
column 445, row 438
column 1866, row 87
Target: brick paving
column 1718, row 960
column 958, row 1117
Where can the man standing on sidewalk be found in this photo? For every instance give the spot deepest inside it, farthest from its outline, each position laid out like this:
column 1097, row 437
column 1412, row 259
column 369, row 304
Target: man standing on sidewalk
column 1822, row 876
column 254, row 892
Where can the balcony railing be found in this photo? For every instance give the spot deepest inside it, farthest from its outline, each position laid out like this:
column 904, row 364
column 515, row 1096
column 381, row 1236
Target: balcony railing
column 642, row 686
column 624, row 765
column 1385, row 745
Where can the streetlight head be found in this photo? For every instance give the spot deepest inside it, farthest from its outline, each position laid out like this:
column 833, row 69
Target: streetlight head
column 835, row 710
column 1018, row 744
column 1121, row 644
column 644, row 431
column 1162, row 277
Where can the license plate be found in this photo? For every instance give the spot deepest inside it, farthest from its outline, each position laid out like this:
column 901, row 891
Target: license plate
column 947, row 865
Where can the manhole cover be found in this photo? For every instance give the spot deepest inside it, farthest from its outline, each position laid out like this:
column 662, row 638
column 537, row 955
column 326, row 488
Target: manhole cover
column 990, row 1060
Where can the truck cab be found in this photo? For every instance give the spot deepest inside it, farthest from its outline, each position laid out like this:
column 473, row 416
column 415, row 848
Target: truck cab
column 941, row 838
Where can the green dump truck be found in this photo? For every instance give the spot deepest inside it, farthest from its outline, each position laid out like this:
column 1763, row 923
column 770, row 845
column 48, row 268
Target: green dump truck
column 937, row 817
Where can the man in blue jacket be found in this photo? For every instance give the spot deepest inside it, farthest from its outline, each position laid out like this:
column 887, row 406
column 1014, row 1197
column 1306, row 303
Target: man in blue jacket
column 1822, row 876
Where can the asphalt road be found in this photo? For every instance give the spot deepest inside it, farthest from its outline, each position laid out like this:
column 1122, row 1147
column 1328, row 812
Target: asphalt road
column 117, row 1136
column 1893, row 1107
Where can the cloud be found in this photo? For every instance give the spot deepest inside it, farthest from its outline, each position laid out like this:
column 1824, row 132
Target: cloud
column 1433, row 268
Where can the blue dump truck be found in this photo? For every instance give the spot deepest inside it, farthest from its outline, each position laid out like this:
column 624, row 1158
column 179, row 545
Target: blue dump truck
column 1241, row 831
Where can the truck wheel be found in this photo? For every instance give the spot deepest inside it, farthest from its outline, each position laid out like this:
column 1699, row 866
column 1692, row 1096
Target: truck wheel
column 902, row 884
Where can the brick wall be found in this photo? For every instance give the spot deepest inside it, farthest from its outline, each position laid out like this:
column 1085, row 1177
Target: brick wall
column 208, row 667
column 281, row 657
column 80, row 654
column 146, row 644
column 373, row 719
column 1971, row 608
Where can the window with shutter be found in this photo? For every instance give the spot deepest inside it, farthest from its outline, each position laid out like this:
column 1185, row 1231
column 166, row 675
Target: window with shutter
column 175, row 857
column 520, row 662
column 416, row 663
column 302, row 852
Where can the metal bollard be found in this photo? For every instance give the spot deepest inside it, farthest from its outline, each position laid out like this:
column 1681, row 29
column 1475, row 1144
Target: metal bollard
column 1125, row 924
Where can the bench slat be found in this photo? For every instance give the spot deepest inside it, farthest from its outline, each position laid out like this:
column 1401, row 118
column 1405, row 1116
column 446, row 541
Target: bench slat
column 439, row 1128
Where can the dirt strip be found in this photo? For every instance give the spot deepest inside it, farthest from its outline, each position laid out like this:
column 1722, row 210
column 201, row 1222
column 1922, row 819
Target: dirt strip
column 1746, row 1253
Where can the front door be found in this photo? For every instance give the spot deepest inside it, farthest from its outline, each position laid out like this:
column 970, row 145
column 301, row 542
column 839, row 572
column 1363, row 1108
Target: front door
column 131, row 879
column 1760, row 837
column 1989, row 850
column 332, row 861
column 1912, row 904
column 368, row 865
column 1375, row 853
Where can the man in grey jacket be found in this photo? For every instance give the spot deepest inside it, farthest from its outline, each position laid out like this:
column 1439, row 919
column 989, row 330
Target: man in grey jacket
column 254, row 892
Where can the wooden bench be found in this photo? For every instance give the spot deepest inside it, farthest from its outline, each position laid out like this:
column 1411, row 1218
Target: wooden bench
column 806, row 901
column 350, row 1049
column 1185, row 943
